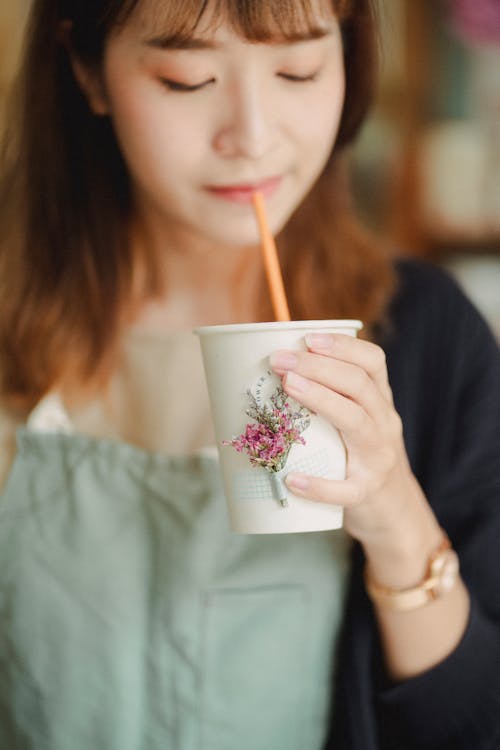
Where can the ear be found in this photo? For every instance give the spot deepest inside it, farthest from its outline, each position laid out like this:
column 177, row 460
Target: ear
column 89, row 79
column 92, row 86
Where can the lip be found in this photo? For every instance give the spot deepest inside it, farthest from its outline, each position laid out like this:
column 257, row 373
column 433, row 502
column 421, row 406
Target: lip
column 244, row 193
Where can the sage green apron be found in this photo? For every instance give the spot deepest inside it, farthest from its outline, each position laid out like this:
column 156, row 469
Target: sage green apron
column 132, row 619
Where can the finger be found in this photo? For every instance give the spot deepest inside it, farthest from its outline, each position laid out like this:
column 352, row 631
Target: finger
column 346, row 379
column 347, row 415
column 370, row 357
column 345, row 492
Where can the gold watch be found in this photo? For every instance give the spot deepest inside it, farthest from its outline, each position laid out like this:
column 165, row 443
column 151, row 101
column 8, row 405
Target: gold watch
column 442, row 573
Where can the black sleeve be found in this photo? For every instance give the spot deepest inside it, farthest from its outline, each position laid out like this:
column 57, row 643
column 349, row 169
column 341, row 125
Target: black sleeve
column 446, row 384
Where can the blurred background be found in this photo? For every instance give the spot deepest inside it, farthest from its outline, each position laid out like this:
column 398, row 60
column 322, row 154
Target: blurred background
column 427, row 167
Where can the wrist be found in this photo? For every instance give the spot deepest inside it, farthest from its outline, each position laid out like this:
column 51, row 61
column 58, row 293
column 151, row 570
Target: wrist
column 398, row 558
column 440, row 578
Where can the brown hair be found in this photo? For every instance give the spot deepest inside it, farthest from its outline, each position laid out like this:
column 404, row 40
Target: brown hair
column 66, row 263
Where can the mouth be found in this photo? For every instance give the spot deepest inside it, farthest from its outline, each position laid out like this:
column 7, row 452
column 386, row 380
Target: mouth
column 243, row 193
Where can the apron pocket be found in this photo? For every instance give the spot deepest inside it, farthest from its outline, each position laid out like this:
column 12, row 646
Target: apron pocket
column 252, row 668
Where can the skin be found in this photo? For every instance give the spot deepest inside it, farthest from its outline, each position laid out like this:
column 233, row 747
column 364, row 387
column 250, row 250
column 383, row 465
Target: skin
column 247, row 121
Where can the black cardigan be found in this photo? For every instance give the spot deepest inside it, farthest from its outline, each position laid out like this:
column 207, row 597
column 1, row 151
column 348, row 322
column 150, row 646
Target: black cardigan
column 444, row 369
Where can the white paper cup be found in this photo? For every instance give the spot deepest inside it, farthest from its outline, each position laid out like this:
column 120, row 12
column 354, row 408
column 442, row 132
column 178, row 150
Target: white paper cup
column 236, row 360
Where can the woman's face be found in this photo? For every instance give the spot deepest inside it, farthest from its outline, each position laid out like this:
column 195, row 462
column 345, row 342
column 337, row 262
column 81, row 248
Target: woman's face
column 200, row 127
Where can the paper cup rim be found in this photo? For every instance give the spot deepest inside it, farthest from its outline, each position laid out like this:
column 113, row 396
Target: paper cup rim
column 292, row 325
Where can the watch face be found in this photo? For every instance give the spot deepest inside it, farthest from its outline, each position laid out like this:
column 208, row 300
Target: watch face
column 446, row 571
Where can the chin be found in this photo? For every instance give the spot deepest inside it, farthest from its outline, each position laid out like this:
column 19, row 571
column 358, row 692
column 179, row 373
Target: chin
column 242, row 232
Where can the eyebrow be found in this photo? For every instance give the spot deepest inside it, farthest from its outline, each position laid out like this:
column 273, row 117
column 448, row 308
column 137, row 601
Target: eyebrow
column 178, row 42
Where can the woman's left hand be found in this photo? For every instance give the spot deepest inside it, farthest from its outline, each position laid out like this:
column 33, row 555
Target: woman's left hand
column 345, row 380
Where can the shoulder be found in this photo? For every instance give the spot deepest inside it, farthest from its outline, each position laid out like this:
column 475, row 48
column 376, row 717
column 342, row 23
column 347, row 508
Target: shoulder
column 427, row 288
column 430, row 307
column 444, row 369
column 439, row 347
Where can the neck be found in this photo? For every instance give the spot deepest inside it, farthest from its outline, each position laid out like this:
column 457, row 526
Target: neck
column 206, row 284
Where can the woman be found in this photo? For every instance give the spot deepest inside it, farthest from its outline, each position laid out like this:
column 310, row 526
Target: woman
column 131, row 617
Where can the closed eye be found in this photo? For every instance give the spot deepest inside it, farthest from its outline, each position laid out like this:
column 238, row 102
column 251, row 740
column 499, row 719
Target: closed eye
column 184, row 87
column 299, row 79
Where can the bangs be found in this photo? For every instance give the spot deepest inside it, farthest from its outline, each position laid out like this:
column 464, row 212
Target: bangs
column 255, row 20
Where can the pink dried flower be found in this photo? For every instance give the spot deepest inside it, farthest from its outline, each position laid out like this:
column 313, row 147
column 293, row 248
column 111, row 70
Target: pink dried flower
column 268, row 440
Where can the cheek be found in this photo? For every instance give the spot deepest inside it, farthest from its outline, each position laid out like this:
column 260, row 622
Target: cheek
column 325, row 111
column 153, row 137
column 316, row 129
column 315, row 119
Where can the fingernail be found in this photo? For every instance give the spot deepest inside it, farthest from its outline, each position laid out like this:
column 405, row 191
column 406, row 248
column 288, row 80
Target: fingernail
column 283, row 361
column 297, row 481
column 320, row 341
column 295, row 382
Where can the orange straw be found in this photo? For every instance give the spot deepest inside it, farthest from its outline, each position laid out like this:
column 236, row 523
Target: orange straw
column 271, row 262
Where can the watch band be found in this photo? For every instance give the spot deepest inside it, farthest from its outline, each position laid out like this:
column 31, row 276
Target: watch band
column 442, row 572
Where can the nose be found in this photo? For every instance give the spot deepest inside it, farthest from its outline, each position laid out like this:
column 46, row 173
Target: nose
column 247, row 127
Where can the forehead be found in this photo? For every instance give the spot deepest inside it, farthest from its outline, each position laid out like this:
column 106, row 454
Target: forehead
column 256, row 20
